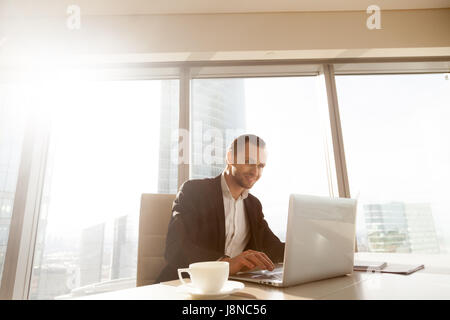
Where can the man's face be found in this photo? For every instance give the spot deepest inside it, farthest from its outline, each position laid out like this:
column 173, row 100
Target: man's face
column 246, row 171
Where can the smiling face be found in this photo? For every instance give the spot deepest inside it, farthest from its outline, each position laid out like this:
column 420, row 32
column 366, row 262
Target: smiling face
column 247, row 168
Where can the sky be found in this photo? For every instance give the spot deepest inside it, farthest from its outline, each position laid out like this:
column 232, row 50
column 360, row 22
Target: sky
column 105, row 146
column 396, row 138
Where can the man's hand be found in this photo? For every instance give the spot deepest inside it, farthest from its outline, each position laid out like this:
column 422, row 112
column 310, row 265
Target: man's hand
column 249, row 260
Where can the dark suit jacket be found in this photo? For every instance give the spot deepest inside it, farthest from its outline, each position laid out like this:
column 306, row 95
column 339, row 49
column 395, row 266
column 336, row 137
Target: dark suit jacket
column 197, row 227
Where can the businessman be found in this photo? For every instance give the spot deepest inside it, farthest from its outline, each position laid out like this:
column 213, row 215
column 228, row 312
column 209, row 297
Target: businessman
column 218, row 219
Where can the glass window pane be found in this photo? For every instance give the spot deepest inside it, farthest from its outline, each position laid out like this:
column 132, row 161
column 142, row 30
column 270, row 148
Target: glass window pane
column 12, row 129
column 110, row 143
column 284, row 112
column 396, row 136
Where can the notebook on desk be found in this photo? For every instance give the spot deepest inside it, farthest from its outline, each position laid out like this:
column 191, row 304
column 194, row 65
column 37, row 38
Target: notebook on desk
column 402, row 268
column 377, row 266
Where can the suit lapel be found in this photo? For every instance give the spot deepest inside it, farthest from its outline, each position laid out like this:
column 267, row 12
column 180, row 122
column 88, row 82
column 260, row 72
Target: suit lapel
column 220, row 212
column 251, row 218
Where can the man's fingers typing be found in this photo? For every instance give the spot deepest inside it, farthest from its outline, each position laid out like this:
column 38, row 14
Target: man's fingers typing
column 256, row 260
column 261, row 257
column 247, row 263
column 250, row 260
column 267, row 261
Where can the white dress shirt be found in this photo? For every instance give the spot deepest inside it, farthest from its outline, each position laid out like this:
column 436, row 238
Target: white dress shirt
column 237, row 231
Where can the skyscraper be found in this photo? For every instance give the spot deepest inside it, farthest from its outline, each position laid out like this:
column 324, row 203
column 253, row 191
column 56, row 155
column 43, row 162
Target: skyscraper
column 124, row 249
column 218, row 107
column 400, row 227
column 421, row 230
column 91, row 254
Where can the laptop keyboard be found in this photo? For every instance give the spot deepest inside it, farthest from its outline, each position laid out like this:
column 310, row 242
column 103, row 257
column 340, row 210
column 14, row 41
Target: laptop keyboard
column 276, row 274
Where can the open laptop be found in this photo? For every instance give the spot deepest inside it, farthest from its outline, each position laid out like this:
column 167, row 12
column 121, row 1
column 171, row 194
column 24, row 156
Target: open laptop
column 320, row 242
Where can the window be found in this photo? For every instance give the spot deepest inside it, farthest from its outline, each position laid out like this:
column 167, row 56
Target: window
column 110, row 143
column 284, row 112
column 396, row 136
column 12, row 129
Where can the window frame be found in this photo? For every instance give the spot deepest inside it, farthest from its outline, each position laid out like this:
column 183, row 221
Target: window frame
column 22, row 236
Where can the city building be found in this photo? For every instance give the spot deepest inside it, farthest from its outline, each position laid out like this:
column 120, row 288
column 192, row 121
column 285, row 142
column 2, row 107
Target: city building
column 124, row 249
column 57, row 276
column 421, row 228
column 218, row 116
column 91, row 254
column 400, row 227
column 112, row 251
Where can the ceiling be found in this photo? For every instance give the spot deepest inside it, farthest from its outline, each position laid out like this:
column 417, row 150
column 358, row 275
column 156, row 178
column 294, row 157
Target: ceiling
column 141, row 7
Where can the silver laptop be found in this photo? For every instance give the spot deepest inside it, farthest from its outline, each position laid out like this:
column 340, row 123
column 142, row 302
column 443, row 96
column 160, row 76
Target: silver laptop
column 320, row 242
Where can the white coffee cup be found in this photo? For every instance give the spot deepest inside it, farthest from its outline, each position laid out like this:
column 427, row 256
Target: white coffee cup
column 209, row 277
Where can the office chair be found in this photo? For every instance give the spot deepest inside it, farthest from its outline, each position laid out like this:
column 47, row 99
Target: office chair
column 156, row 211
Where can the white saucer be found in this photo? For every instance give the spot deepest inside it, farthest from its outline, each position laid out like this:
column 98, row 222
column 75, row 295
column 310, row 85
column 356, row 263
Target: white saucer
column 228, row 288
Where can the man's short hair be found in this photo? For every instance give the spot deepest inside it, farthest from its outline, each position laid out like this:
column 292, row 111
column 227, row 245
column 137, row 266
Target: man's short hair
column 240, row 142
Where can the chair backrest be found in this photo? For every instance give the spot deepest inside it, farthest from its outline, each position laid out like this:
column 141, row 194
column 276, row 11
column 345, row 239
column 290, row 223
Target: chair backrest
column 156, row 211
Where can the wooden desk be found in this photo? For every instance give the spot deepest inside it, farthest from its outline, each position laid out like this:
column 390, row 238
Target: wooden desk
column 433, row 282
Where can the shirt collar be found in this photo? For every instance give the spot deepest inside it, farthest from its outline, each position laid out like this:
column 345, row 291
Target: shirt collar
column 226, row 191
